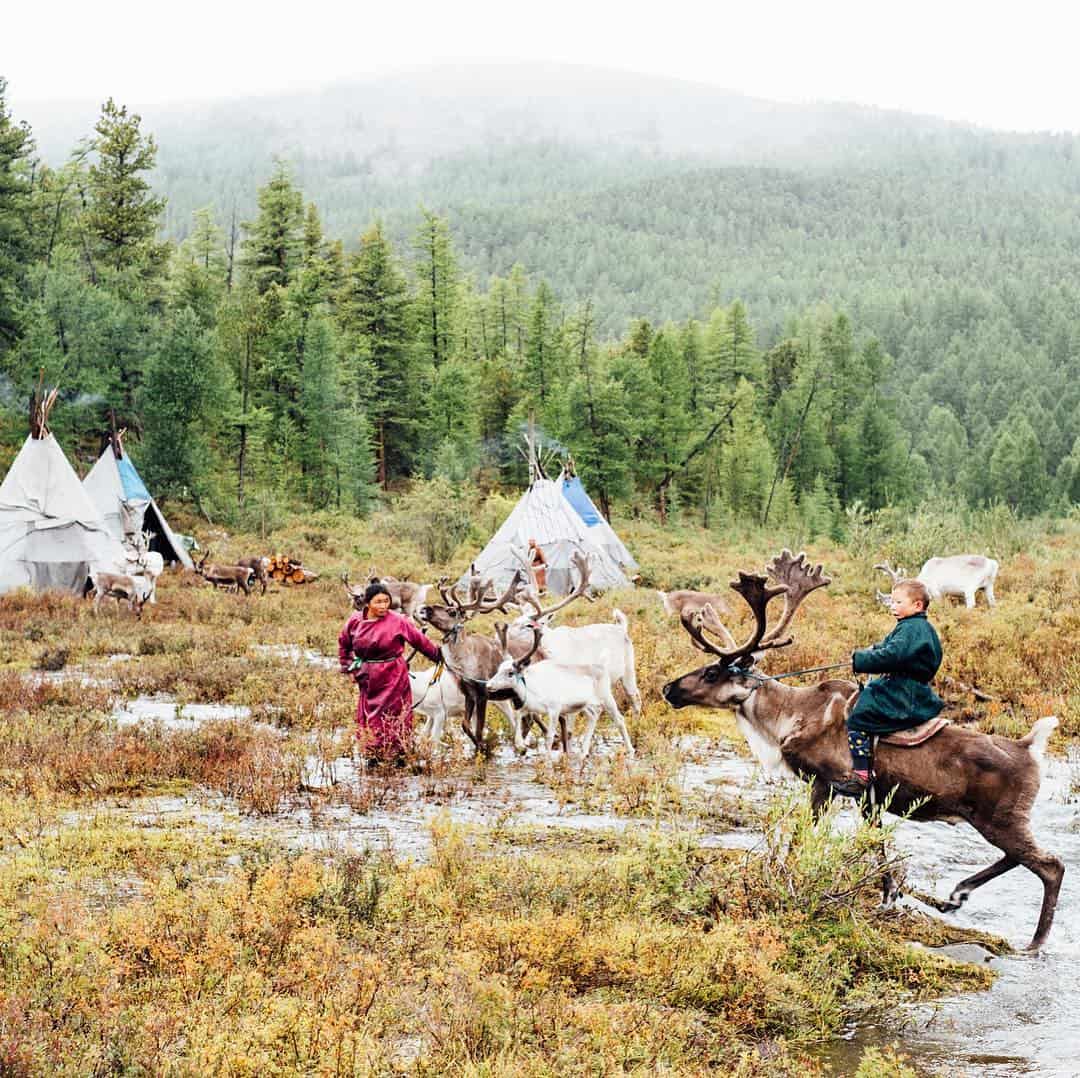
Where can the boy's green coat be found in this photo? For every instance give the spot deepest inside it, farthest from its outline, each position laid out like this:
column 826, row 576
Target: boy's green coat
column 908, row 658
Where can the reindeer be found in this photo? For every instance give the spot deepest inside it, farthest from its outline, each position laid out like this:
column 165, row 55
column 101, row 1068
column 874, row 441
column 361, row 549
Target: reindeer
column 684, row 602
column 225, row 576
column 146, row 563
column 959, row 574
column 556, row 691
column 260, row 568
column 604, row 644
column 405, row 596
column 955, row 774
column 444, row 699
column 472, row 658
column 120, row 587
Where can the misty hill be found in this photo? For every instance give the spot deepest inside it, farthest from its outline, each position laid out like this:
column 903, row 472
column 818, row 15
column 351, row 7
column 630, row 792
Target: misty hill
column 655, row 196
column 449, row 134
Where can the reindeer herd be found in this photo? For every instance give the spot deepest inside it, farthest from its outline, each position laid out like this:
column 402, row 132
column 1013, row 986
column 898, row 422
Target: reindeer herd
column 541, row 674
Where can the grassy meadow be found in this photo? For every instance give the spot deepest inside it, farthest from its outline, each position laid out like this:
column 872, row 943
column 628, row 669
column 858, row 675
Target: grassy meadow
column 129, row 947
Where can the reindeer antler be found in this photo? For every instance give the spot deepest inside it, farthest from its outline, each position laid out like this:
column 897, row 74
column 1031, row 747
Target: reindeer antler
column 500, row 602
column 581, row 563
column 355, row 591
column 705, row 618
column 794, row 572
column 895, row 575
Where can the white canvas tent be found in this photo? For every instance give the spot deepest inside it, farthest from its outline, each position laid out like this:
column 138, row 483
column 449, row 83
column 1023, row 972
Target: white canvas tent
column 545, row 515
column 50, row 532
column 602, row 533
column 121, row 497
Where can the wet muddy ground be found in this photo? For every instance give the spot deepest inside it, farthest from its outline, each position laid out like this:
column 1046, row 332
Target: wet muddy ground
column 1026, row 1024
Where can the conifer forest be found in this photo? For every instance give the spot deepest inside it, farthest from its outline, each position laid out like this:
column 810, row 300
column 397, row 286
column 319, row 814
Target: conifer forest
column 883, row 317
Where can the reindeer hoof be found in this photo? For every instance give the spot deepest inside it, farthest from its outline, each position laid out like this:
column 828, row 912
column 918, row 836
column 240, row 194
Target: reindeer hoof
column 953, row 902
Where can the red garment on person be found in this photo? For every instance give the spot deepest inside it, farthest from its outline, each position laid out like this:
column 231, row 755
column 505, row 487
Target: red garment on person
column 384, row 710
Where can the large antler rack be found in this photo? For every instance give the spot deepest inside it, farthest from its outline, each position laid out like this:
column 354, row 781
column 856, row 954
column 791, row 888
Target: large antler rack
column 581, row 563
column 795, row 580
column 799, row 579
column 480, row 600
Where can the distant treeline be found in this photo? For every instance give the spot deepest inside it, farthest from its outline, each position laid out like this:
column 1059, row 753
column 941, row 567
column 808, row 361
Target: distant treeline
column 865, row 346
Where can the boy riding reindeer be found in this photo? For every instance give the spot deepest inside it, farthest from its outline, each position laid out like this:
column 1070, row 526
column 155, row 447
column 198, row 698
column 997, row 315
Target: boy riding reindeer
column 948, row 772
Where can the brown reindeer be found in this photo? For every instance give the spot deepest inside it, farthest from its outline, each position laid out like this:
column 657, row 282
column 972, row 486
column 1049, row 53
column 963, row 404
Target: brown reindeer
column 470, row 657
column 405, row 596
column 685, row 603
column 260, row 568
column 225, row 576
column 956, row 774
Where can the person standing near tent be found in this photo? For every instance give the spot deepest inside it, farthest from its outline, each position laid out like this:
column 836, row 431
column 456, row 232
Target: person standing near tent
column 538, row 565
column 370, row 651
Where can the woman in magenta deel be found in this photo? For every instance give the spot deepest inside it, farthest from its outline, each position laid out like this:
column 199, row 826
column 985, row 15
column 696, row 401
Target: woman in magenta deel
column 370, row 650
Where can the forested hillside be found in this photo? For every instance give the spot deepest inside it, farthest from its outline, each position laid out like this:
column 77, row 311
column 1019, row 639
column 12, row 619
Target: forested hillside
column 722, row 306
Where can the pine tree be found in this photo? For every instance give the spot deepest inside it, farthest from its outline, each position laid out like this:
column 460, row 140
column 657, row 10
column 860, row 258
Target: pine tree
column 183, row 391
column 437, row 284
column 16, row 243
column 123, row 215
column 274, row 245
column 198, row 278
column 596, row 421
column 664, row 435
column 541, row 369
column 1018, row 468
column 745, row 458
column 376, row 311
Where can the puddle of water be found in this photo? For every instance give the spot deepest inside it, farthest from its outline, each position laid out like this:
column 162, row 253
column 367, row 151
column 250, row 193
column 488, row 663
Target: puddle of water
column 165, row 711
column 296, row 654
column 1024, row 1025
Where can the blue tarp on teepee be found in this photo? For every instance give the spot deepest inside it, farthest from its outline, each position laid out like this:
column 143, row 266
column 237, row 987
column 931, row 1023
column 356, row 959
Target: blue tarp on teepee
column 134, row 488
column 575, row 494
column 600, row 531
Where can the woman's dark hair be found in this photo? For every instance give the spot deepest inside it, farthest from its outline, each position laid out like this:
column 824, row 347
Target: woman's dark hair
column 375, row 589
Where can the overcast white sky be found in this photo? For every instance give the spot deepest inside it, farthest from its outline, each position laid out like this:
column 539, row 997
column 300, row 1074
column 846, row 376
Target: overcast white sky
column 1007, row 66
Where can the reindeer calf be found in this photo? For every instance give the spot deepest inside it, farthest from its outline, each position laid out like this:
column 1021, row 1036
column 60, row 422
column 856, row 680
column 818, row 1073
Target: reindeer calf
column 119, row 587
column 226, row 576
column 556, row 692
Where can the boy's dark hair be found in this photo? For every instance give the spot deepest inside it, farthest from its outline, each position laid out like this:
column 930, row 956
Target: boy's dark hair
column 915, row 589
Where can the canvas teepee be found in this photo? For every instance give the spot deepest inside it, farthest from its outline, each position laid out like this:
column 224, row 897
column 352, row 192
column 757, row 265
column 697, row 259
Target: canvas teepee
column 545, row 515
column 50, row 532
column 602, row 533
column 121, row 497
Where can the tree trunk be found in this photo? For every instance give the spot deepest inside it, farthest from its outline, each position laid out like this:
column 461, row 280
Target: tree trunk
column 382, row 454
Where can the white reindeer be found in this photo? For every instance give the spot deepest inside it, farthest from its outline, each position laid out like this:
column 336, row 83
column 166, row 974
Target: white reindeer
column 605, row 644
column 556, row 692
column 959, row 574
column 144, row 563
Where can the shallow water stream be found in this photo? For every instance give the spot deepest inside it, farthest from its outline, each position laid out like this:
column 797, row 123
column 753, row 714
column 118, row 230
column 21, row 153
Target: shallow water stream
column 1029, row 1022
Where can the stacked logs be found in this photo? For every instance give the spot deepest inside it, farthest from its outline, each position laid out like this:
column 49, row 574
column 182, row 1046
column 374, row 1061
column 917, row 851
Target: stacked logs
column 289, row 570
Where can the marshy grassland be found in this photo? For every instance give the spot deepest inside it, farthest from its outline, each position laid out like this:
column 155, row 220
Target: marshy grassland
column 199, row 944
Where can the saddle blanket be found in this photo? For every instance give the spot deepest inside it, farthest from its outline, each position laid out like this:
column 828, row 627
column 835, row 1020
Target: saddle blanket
column 916, row 735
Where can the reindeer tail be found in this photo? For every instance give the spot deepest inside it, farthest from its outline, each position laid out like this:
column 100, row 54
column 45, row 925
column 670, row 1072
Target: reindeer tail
column 664, row 602
column 619, row 618
column 1040, row 734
